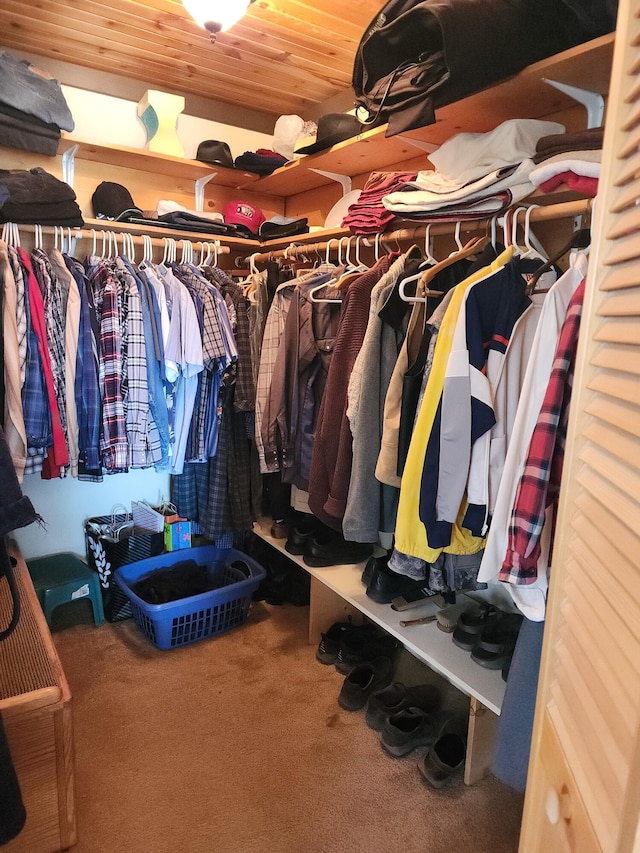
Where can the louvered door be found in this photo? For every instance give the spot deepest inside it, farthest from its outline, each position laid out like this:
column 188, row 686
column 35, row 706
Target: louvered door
column 583, row 791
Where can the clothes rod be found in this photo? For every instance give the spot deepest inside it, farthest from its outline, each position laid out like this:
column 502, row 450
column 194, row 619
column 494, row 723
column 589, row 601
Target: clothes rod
column 539, row 213
column 138, row 238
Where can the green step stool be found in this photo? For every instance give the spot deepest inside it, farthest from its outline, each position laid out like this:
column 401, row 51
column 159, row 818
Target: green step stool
column 64, row 577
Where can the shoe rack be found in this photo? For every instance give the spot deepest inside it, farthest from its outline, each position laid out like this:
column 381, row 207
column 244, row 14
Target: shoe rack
column 337, row 592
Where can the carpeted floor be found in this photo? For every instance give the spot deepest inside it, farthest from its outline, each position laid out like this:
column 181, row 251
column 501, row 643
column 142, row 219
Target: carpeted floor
column 237, row 745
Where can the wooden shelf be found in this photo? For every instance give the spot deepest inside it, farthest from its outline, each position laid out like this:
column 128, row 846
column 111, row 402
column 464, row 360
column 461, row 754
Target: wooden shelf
column 158, row 164
column 527, row 95
column 430, row 645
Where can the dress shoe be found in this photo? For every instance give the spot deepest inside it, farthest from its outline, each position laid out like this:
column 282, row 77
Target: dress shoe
column 280, row 530
column 385, row 585
column 334, row 551
column 301, row 532
column 372, row 565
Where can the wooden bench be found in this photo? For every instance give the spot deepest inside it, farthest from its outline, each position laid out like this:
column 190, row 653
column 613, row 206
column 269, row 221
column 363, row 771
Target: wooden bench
column 35, row 704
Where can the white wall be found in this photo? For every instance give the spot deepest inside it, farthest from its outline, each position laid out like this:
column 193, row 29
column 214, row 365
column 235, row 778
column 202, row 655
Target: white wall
column 65, row 504
column 114, row 121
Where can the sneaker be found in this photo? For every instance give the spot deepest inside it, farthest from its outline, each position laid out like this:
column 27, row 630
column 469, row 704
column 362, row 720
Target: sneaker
column 364, row 646
column 362, row 681
column 396, row 697
column 403, row 732
column 331, row 640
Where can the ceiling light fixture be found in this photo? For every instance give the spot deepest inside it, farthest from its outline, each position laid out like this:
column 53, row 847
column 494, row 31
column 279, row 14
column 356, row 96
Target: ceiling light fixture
column 216, row 15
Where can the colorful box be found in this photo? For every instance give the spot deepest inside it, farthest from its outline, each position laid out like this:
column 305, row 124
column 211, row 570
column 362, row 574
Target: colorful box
column 177, row 533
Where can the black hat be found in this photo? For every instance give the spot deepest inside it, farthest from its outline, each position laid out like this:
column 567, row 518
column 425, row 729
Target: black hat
column 215, row 152
column 113, row 201
column 332, row 128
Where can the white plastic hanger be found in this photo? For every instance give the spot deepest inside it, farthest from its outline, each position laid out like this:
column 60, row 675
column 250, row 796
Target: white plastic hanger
column 311, row 294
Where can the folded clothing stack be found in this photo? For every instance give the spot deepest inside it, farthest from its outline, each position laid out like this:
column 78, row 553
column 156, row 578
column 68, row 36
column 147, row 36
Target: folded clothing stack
column 368, row 215
column 569, row 159
column 36, row 197
column 262, row 161
column 33, row 109
column 476, row 174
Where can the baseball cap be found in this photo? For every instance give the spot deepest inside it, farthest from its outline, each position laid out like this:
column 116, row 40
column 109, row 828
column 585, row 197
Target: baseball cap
column 245, row 215
column 113, row 201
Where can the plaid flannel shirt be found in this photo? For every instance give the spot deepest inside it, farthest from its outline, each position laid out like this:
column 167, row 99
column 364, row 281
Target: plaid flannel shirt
column 540, row 480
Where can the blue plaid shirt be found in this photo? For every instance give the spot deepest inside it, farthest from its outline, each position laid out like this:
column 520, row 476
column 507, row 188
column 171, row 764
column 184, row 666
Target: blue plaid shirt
column 86, row 390
column 35, row 402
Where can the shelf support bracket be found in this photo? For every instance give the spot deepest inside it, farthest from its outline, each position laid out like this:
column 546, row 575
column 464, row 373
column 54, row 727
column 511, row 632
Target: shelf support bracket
column 591, row 101
column 68, row 165
column 200, row 185
column 343, row 180
column 427, row 147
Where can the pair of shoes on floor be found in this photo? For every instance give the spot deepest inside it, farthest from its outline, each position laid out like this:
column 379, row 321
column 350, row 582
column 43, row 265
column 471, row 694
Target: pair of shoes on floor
column 411, row 728
column 364, row 646
column 345, row 645
column 363, row 681
column 398, row 697
column 446, row 758
column 384, row 585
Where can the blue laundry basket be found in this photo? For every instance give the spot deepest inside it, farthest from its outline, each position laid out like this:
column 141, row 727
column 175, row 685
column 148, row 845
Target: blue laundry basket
column 178, row 623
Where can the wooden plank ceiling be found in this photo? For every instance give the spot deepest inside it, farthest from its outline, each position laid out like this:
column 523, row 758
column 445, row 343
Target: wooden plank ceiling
column 283, row 57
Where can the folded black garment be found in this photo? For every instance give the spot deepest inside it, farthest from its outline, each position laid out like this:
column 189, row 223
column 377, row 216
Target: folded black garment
column 37, row 197
column 204, row 226
column 20, row 130
column 35, row 186
column 271, row 230
column 184, row 217
column 65, row 213
column 258, row 163
column 182, row 580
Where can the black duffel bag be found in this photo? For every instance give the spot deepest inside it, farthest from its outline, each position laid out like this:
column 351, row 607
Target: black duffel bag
column 417, row 55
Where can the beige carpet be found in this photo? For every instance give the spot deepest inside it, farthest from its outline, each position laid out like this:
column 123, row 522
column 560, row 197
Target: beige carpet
column 237, row 745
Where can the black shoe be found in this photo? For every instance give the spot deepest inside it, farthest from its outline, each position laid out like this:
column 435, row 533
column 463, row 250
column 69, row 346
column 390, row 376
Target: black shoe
column 301, row 532
column 385, row 585
column 331, row 640
column 447, row 755
column 372, row 565
column 403, row 732
column 335, row 552
column 362, row 681
column 366, row 646
column 396, row 697
column 471, row 623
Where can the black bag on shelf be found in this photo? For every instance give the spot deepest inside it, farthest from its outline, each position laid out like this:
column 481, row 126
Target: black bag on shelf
column 111, row 542
column 417, row 55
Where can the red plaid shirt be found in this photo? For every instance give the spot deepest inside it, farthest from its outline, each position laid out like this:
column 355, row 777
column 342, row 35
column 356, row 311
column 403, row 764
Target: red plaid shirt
column 540, row 481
